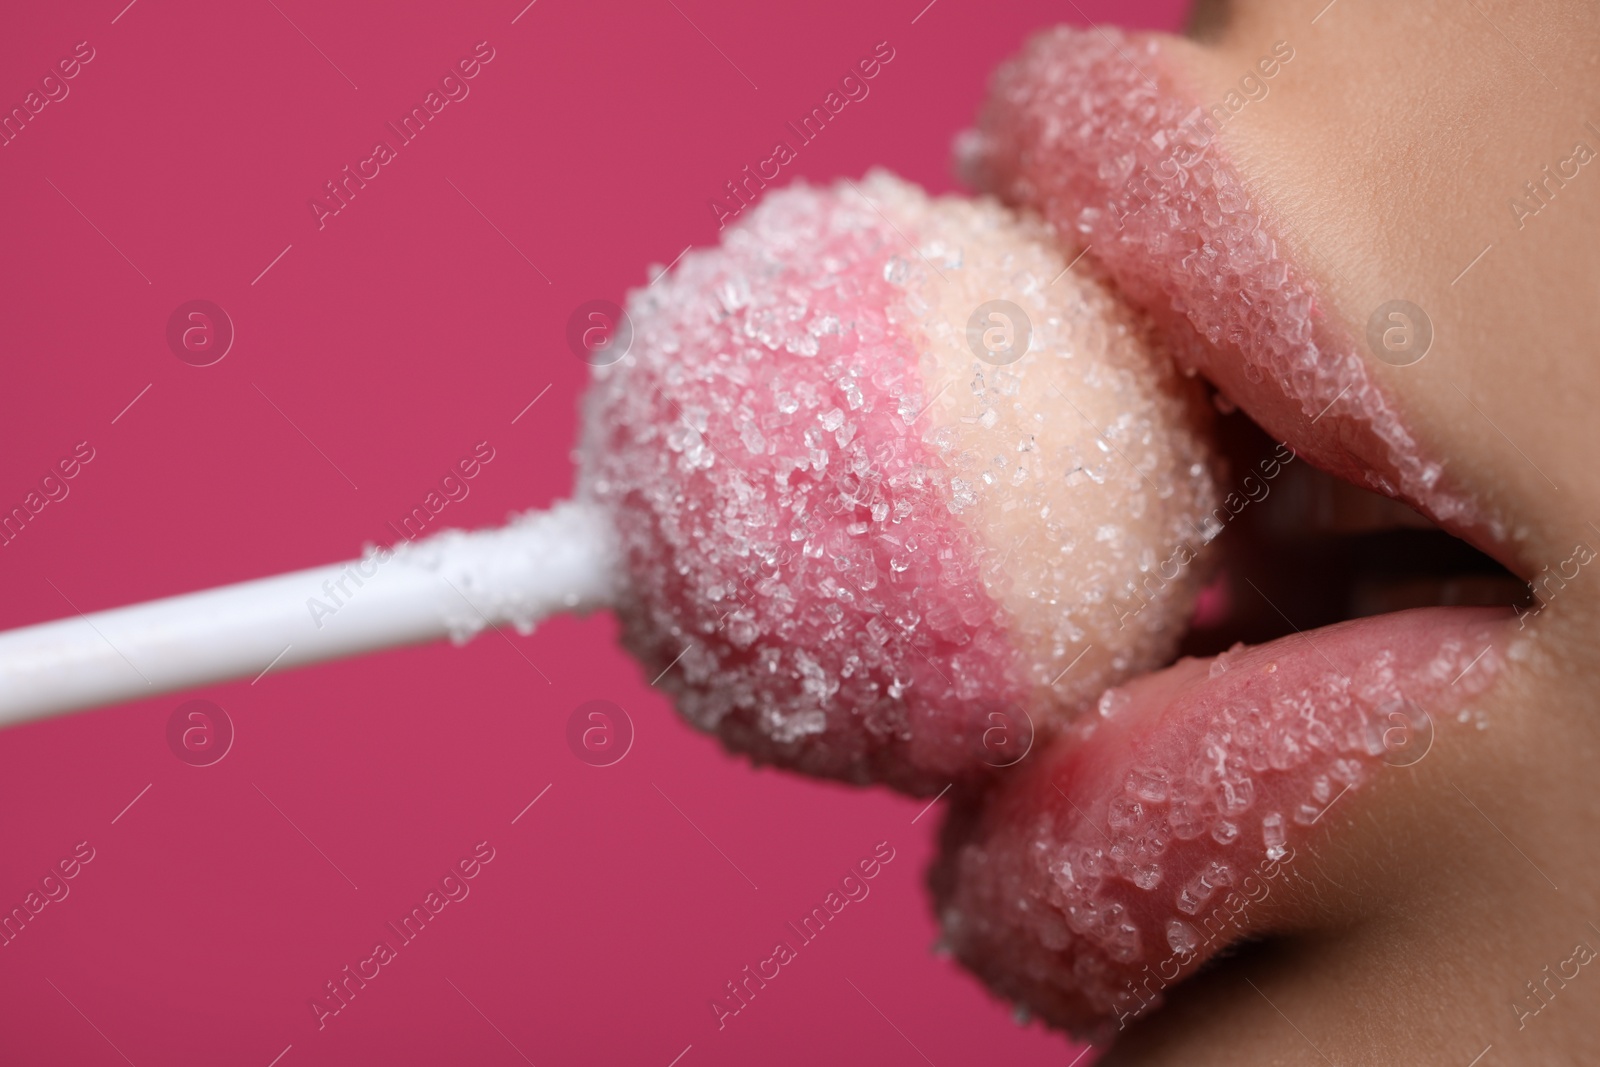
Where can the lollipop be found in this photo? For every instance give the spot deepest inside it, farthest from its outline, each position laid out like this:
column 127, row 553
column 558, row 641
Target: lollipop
column 885, row 487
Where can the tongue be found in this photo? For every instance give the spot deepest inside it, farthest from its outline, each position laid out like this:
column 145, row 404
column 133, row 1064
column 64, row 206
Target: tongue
column 1139, row 846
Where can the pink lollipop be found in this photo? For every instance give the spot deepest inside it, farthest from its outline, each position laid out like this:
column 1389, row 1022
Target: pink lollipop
column 884, row 487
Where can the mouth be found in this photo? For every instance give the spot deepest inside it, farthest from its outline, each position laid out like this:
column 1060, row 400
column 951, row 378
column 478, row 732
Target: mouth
column 1146, row 839
column 1302, row 550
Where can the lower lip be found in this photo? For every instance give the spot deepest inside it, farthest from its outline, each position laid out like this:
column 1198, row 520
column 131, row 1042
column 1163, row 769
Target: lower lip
column 1136, row 849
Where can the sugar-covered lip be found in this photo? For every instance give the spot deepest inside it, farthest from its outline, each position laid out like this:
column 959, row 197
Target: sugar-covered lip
column 1105, row 135
column 1138, row 847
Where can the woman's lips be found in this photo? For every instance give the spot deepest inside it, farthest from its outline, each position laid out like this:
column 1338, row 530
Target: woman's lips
column 1100, row 133
column 1116, row 861
column 1138, row 846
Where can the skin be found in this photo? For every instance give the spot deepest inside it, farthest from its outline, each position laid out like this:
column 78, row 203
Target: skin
column 1388, row 154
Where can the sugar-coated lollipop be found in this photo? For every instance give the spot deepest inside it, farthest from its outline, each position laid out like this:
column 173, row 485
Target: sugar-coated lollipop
column 884, row 486
column 893, row 485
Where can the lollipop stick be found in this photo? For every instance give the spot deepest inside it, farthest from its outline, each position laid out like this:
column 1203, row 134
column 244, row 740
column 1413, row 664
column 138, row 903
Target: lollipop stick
column 449, row 585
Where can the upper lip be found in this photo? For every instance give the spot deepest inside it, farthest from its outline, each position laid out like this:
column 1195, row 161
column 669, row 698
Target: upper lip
column 1096, row 131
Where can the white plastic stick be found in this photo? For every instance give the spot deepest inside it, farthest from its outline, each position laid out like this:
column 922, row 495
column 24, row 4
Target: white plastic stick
column 452, row 584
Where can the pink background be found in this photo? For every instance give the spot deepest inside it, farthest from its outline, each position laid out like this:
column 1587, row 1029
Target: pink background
column 392, row 341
